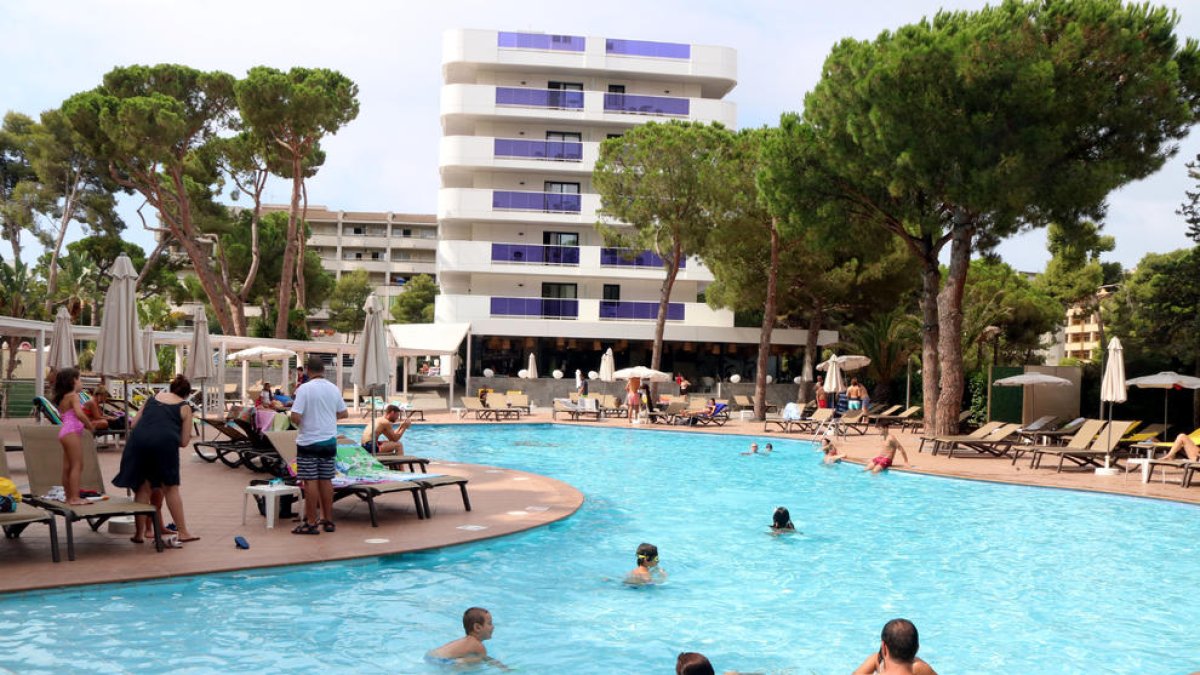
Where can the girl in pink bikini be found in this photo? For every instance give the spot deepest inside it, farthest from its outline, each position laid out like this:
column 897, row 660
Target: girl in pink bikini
column 74, row 421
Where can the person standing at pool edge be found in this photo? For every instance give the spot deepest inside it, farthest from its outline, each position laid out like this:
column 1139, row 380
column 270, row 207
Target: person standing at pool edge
column 315, row 412
column 477, row 623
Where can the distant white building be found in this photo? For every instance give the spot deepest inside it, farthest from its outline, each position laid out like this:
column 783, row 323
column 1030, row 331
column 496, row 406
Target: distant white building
column 518, row 255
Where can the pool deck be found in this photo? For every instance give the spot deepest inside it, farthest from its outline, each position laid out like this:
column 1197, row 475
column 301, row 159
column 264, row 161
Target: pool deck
column 504, row 501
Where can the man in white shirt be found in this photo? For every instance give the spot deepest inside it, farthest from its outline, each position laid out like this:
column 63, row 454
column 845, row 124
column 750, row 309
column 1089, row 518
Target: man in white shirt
column 316, row 410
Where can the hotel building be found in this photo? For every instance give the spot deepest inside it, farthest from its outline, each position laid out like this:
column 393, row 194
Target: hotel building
column 518, row 253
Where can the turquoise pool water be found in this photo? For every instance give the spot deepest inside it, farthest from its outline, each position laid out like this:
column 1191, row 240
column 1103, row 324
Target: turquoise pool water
column 997, row 578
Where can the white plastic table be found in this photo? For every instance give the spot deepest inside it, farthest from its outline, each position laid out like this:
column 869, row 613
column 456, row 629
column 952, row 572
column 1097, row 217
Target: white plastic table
column 271, row 494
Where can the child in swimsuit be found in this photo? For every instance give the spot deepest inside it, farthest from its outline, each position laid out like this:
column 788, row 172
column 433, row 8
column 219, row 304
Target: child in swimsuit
column 647, row 570
column 74, row 421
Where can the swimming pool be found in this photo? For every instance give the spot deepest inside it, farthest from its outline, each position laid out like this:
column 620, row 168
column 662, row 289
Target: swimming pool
column 996, row 577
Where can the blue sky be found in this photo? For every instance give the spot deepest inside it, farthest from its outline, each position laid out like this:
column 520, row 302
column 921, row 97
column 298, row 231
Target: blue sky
column 387, row 158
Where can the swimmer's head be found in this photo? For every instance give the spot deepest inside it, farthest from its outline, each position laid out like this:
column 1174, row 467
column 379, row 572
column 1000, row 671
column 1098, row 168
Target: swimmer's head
column 781, row 519
column 647, row 555
column 477, row 621
column 769, row 448
column 754, row 447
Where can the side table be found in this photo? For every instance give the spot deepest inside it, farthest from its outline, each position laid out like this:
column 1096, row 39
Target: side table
column 271, row 494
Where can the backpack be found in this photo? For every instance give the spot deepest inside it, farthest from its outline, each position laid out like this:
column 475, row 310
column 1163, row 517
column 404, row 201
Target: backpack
column 9, row 496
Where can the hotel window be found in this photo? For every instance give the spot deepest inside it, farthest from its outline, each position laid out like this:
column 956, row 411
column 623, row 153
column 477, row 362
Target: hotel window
column 560, row 291
column 558, row 100
column 612, row 292
column 560, row 239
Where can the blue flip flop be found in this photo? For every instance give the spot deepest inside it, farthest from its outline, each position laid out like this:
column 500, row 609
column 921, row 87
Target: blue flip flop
column 241, row 543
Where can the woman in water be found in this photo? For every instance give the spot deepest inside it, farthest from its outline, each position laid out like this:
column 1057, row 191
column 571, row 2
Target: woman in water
column 647, row 570
column 781, row 521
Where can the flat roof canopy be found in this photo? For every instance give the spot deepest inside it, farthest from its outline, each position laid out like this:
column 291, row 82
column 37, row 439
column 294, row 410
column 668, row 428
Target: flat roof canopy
column 421, row 339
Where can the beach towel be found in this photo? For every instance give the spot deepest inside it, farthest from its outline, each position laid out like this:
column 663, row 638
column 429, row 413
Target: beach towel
column 792, row 411
column 355, row 466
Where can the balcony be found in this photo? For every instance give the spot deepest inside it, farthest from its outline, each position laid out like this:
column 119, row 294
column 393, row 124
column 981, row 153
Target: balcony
column 528, row 149
column 659, row 50
column 474, row 101
column 617, row 310
column 490, row 257
column 535, row 308
column 546, row 202
column 468, row 153
column 566, row 43
column 624, row 257
column 533, row 254
column 483, row 205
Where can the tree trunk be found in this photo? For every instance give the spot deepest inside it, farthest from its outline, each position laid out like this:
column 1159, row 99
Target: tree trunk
column 52, row 278
column 931, row 281
column 301, row 242
column 660, row 324
column 768, row 324
column 950, row 316
column 810, row 348
column 288, row 273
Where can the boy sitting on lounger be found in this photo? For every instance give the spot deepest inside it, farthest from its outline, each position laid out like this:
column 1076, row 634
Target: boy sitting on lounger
column 887, row 455
column 384, row 427
column 477, row 622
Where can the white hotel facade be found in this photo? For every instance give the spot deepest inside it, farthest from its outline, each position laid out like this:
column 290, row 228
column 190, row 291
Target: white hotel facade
column 518, row 253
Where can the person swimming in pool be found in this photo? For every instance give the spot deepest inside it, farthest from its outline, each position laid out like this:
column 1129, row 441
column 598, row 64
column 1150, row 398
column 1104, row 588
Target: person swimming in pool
column 477, row 623
column 753, row 449
column 647, row 570
column 832, row 454
column 781, row 521
column 886, row 456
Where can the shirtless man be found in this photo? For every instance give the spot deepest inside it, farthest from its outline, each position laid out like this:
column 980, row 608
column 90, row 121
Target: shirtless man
column 477, row 622
column 384, row 427
column 897, row 653
column 887, row 455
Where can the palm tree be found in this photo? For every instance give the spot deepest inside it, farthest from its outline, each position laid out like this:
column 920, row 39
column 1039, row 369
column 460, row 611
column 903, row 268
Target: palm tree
column 76, row 287
column 888, row 340
column 18, row 290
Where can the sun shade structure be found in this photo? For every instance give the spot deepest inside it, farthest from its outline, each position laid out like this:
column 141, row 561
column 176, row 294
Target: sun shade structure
column 642, row 373
column 1032, row 379
column 262, row 354
column 847, row 363
column 608, row 366
column 119, row 351
column 151, row 357
column 200, row 366
column 372, row 366
column 62, row 342
column 833, row 375
column 531, row 371
column 1112, row 387
column 1166, row 381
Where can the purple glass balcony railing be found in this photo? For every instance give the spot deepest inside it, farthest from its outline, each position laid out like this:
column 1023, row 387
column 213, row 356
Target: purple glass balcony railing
column 539, row 98
column 537, row 308
column 533, row 254
column 549, row 202
column 638, row 311
column 646, row 105
column 565, row 43
column 622, row 257
column 661, row 50
column 566, row 151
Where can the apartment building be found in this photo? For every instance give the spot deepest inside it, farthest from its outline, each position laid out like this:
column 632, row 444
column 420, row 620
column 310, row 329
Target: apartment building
column 518, row 253
column 1082, row 333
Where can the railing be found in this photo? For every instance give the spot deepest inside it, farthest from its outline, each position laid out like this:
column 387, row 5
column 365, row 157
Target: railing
column 567, row 151
column 623, row 257
column 534, row 254
column 646, row 105
column 539, row 98
column 549, row 202
column 662, row 50
column 535, row 308
column 565, row 43
column 616, row 310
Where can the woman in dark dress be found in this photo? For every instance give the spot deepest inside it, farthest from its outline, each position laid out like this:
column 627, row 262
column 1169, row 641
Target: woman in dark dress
column 151, row 458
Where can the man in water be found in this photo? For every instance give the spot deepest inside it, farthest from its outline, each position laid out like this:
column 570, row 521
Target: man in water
column 887, row 455
column 477, row 623
column 832, row 456
column 384, row 428
column 753, row 449
column 897, row 652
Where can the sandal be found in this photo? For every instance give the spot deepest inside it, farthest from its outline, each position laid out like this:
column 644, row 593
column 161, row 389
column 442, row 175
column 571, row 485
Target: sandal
column 328, row 525
column 306, row 528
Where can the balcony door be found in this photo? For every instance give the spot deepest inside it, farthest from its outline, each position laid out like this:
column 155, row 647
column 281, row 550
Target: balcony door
column 561, row 197
column 560, row 248
column 558, row 98
column 564, row 145
column 560, row 300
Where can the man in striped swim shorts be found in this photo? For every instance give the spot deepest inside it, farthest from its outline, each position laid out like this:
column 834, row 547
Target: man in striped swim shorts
column 315, row 412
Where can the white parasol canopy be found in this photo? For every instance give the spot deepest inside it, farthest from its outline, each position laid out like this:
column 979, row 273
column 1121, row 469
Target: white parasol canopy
column 262, row 354
column 152, row 363
column 372, row 367
column 119, row 350
column 1032, row 379
column 833, row 377
column 642, row 373
column 200, row 364
column 531, row 372
column 1166, row 381
column 608, row 366
column 1112, row 389
column 62, row 342
column 847, row 363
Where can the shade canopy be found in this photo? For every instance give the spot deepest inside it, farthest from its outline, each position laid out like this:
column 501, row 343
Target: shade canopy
column 833, row 375
column 62, row 342
column 372, row 366
column 1112, row 388
column 642, row 373
column 262, row 354
column 423, row 339
column 531, row 372
column 200, row 364
column 151, row 351
column 119, row 351
column 608, row 366
column 1032, row 379
column 847, row 363
column 1163, row 380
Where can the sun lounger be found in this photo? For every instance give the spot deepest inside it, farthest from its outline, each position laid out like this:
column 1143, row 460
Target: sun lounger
column 902, row 420
column 1103, row 446
column 15, row 523
column 937, row 441
column 996, row 443
column 285, row 443
column 43, row 463
column 669, row 414
column 611, row 407
column 586, row 408
column 1175, row 463
column 858, row 421
column 45, row 408
column 472, row 405
column 228, row 450
column 1083, row 436
column 398, row 462
column 805, row 425
column 500, row 404
column 719, row 416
